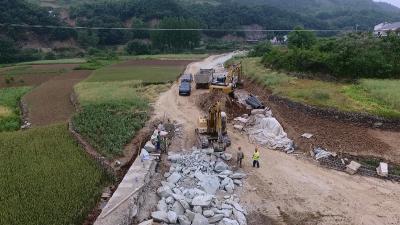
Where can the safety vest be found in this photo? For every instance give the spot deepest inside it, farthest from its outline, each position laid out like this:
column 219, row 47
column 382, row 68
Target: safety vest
column 256, row 156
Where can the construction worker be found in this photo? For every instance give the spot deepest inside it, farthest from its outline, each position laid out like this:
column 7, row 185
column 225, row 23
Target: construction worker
column 256, row 158
column 239, row 157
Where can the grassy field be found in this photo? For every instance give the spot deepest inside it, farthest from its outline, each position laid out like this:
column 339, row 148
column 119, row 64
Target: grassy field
column 29, row 70
column 147, row 74
column 377, row 97
column 55, row 61
column 46, row 178
column 168, row 56
column 9, row 108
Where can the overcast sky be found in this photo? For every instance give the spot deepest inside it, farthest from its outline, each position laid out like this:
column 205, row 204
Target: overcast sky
column 393, row 2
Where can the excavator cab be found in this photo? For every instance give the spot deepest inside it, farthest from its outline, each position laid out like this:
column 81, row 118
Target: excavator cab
column 212, row 130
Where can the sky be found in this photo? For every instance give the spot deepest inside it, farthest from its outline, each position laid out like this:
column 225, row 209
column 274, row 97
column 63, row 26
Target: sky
column 393, row 2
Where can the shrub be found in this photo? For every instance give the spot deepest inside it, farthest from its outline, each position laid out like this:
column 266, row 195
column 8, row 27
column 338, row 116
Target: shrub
column 137, row 48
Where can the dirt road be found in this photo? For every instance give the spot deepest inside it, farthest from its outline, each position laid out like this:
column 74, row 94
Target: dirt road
column 289, row 189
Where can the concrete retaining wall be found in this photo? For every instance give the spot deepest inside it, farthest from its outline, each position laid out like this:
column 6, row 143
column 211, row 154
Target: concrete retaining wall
column 125, row 203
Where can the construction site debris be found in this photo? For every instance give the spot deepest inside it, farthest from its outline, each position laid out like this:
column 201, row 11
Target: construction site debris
column 254, row 102
column 320, row 153
column 307, row 135
column 353, row 167
column 200, row 190
column 382, row 169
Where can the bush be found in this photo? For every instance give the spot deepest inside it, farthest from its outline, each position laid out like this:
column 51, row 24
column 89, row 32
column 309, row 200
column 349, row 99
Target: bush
column 137, row 48
column 261, row 49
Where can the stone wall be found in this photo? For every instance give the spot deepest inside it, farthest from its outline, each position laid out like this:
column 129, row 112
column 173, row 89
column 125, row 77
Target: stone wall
column 126, row 201
column 359, row 118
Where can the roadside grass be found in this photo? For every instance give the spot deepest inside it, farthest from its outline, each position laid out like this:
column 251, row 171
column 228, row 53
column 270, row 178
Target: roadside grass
column 55, row 61
column 376, row 97
column 146, row 73
column 167, row 57
column 46, row 178
column 9, row 107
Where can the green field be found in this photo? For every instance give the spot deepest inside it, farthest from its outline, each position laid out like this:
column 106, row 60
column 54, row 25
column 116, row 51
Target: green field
column 147, row 74
column 168, row 57
column 16, row 71
column 9, row 108
column 376, row 97
column 46, row 178
column 55, row 61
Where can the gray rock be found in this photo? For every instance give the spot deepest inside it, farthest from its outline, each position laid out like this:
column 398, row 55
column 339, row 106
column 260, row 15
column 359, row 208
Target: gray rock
column 226, row 173
column 202, row 200
column 164, row 183
column 226, row 156
column 235, row 205
column 181, row 199
column 210, row 184
column 197, row 209
column 220, row 166
column 149, row 147
column 215, row 218
column 170, row 200
column 174, row 178
column 241, row 219
column 237, row 182
column 178, row 208
column 177, row 191
column 174, row 157
column 190, row 214
column 164, row 191
column 167, row 174
column 162, row 205
column 238, row 176
column 226, row 181
column 227, row 221
column 226, row 206
column 172, row 217
column 183, row 220
column 199, row 220
column 208, row 213
column 230, row 187
column 147, row 222
column 160, row 216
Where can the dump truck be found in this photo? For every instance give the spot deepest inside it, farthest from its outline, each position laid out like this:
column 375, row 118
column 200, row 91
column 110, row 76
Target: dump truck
column 203, row 78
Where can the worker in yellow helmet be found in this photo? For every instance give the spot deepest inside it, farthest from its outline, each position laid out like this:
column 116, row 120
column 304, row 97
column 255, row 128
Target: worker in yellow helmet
column 256, row 158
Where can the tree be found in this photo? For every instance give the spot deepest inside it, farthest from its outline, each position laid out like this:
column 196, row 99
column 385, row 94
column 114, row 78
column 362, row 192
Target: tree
column 176, row 40
column 261, row 49
column 136, row 47
column 8, row 50
column 88, row 38
column 300, row 38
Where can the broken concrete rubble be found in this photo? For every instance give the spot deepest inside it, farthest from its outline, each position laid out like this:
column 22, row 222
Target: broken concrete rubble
column 353, row 167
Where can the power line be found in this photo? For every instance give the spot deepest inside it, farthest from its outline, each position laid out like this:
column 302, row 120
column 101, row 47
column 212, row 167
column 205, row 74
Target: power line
column 169, row 29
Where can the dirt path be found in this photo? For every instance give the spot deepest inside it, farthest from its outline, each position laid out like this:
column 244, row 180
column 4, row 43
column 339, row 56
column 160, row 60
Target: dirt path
column 288, row 189
column 50, row 102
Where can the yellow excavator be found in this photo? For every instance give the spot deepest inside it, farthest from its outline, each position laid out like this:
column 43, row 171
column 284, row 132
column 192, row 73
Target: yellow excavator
column 229, row 82
column 212, row 131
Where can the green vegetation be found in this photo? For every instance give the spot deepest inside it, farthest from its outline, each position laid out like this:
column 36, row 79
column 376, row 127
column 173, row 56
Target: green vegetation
column 351, row 56
column 46, row 178
column 376, row 97
column 95, row 63
column 152, row 74
column 29, row 70
column 9, row 108
column 114, row 103
column 182, row 56
column 55, row 61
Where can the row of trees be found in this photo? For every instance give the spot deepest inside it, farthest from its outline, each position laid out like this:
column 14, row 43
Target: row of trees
column 350, row 56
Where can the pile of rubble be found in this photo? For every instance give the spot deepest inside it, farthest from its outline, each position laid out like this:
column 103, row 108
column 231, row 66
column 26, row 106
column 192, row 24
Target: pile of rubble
column 200, row 191
column 263, row 129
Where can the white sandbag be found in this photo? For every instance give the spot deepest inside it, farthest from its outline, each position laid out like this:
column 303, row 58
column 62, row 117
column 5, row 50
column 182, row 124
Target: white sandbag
column 383, row 170
column 269, row 132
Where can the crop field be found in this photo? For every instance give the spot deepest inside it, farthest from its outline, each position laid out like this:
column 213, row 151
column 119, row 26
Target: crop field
column 368, row 96
column 9, row 108
column 46, row 178
column 148, row 71
column 168, row 57
column 55, row 61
